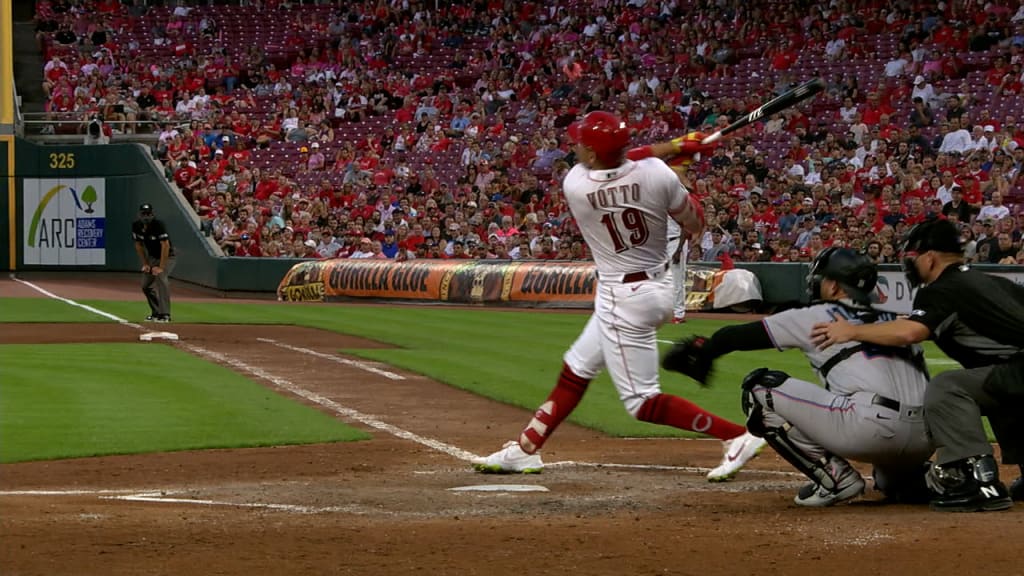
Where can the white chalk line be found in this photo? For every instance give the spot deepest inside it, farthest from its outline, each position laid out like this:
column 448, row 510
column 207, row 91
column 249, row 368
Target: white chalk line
column 331, row 404
column 288, row 385
column 338, row 359
column 665, row 467
column 64, row 492
column 70, row 302
column 296, row 508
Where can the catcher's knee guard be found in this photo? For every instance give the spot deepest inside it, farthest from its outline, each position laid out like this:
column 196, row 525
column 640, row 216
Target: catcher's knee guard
column 777, row 437
column 751, row 407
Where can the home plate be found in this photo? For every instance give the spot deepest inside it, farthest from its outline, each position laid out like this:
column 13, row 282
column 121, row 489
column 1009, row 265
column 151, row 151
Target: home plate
column 500, row 488
column 150, row 336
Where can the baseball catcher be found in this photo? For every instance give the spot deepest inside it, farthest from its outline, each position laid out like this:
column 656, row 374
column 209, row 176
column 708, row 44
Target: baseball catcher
column 976, row 319
column 869, row 409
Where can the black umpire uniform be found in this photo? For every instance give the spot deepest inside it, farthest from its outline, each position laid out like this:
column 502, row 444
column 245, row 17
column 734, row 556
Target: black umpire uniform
column 153, row 245
column 978, row 320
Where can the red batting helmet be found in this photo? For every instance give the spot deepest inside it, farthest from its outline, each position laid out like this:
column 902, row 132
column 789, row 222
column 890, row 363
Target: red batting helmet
column 604, row 133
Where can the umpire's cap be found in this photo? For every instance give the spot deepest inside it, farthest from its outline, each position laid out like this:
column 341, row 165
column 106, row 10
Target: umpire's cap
column 146, row 209
column 935, row 234
column 855, row 273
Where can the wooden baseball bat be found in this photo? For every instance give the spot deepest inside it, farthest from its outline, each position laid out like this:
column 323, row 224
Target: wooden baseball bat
column 777, row 104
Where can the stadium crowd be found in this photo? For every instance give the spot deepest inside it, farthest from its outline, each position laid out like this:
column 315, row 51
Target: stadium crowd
column 394, row 129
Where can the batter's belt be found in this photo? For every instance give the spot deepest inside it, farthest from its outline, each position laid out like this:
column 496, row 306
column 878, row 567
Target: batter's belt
column 642, row 275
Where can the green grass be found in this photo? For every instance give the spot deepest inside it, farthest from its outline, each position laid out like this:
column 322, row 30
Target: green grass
column 43, row 310
column 72, row 400
column 510, row 356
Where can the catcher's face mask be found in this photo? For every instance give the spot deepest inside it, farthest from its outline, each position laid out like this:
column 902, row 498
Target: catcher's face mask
column 817, row 274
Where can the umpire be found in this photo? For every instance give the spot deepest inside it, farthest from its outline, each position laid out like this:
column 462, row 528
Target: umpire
column 978, row 320
column 156, row 252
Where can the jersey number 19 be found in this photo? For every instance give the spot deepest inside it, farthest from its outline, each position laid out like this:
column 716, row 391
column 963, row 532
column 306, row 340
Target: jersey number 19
column 634, row 223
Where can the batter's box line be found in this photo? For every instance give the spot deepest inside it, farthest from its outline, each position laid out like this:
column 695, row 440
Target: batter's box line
column 366, row 366
column 295, row 508
column 665, row 467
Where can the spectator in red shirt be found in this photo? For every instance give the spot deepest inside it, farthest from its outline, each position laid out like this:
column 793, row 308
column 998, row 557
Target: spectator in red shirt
column 459, row 251
column 874, row 109
column 247, row 246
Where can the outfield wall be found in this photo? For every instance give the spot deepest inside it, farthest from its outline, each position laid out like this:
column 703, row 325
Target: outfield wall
column 73, row 207
column 543, row 284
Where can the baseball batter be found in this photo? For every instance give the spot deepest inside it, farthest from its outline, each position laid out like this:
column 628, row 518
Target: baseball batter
column 869, row 409
column 623, row 208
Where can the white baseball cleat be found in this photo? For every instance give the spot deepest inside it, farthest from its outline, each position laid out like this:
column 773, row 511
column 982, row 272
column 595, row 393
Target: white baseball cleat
column 738, row 452
column 509, row 460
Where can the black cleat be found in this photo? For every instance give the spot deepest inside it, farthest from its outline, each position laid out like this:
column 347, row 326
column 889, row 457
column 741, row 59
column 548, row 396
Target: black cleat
column 971, row 485
column 1017, row 489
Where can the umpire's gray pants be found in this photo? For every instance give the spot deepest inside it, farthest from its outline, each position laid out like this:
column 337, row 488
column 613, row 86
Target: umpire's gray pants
column 954, row 403
column 157, row 288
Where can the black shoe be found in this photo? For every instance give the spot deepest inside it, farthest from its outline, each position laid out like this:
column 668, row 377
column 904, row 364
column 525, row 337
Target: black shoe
column 904, row 487
column 1017, row 489
column 971, row 485
column 163, row 318
column 151, row 318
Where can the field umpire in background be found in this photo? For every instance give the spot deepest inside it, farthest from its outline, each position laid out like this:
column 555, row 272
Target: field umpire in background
column 978, row 320
column 154, row 248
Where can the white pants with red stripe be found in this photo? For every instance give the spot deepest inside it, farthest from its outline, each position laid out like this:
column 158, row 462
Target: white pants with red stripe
column 621, row 336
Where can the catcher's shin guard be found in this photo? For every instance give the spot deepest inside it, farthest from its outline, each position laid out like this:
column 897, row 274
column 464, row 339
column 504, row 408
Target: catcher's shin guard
column 817, row 469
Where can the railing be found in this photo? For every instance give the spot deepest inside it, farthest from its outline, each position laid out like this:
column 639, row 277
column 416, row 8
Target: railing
column 19, row 126
column 70, row 128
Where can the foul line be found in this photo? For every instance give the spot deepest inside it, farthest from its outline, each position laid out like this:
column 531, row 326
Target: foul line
column 285, row 384
column 63, row 492
column 147, row 497
column 346, row 361
column 70, row 302
column 331, row 404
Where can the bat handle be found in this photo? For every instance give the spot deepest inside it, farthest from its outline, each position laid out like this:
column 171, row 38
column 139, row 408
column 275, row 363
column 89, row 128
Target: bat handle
column 712, row 138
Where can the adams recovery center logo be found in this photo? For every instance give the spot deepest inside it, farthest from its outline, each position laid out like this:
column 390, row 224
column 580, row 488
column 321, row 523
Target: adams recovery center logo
column 65, row 222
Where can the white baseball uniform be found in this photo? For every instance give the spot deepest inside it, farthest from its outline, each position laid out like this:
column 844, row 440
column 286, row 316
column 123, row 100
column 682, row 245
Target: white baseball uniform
column 678, row 269
column 623, row 214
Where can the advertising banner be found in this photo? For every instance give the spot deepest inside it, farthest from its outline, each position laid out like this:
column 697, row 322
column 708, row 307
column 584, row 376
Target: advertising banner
column 64, row 221
column 556, row 284
column 895, row 295
column 508, row 282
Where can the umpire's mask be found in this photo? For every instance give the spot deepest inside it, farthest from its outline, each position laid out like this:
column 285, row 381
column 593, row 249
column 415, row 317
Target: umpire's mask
column 928, row 236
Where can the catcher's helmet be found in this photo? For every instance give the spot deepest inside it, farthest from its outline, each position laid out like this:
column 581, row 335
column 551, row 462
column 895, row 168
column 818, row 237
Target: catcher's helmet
column 604, row 133
column 855, row 273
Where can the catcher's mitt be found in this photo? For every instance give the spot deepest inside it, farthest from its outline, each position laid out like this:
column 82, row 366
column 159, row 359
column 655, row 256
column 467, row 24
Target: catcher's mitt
column 690, row 356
